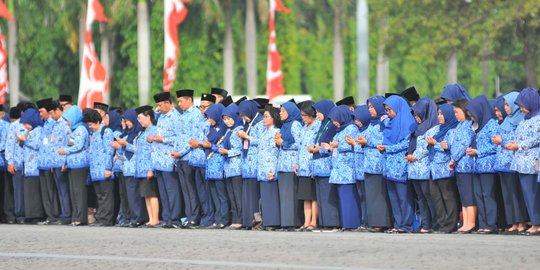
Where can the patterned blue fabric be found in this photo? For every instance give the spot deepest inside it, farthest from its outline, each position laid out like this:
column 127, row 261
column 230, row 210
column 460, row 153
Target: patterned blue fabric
column 440, row 158
column 343, row 158
column 58, row 140
column 100, row 154
column 14, row 149
column 504, row 157
column 458, row 142
column 394, row 162
column 288, row 155
column 233, row 160
column 373, row 160
column 359, row 156
column 420, row 169
column 144, row 151
column 4, row 126
column 486, row 150
column 197, row 157
column 305, row 158
column 168, row 126
column 119, row 156
column 215, row 164
column 267, row 154
column 528, row 140
column 186, row 131
column 45, row 153
column 249, row 168
column 31, row 152
column 76, row 152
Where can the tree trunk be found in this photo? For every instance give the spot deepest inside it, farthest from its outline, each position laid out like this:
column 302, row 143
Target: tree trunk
column 530, row 70
column 251, row 49
column 228, row 51
column 362, row 35
column 338, row 62
column 143, row 52
column 82, row 27
column 105, row 54
column 13, row 68
column 485, row 72
column 383, row 66
column 452, row 67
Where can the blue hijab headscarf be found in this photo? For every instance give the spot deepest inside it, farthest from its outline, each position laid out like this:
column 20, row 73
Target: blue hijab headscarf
column 511, row 121
column 31, row 117
column 286, row 128
column 426, row 109
column 378, row 103
column 327, row 130
column 218, row 130
column 362, row 114
column 232, row 112
column 499, row 104
column 455, row 92
column 402, row 125
column 342, row 115
column 115, row 121
column 74, row 116
column 530, row 99
column 250, row 109
column 481, row 111
column 131, row 133
column 450, row 122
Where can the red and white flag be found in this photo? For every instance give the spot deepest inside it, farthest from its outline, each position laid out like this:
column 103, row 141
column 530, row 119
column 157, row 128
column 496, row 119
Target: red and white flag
column 274, row 76
column 175, row 13
column 4, row 83
column 94, row 82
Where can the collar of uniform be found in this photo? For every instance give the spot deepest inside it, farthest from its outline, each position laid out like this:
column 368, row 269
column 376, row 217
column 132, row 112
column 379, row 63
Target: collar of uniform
column 190, row 109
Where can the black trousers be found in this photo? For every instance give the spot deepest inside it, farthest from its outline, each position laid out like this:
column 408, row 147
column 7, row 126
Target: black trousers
column 18, row 195
column 62, row 185
column 105, row 199
column 121, row 200
column 484, row 193
column 234, row 192
column 445, row 199
column 425, row 203
column 189, row 192
column 79, row 195
column 49, row 195
column 8, row 200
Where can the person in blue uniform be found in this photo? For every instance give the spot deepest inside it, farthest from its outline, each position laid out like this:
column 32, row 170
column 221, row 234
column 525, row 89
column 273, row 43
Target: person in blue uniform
column 189, row 114
column 249, row 111
column 343, row 174
column 304, row 165
column 31, row 141
column 362, row 119
column 267, row 160
column 3, row 135
column 168, row 127
column 232, row 152
column 526, row 147
column 100, row 155
column 443, row 187
column 197, row 160
column 144, row 169
column 288, row 139
column 514, row 204
column 214, row 166
column 426, row 115
column 484, row 151
column 9, row 200
column 396, row 135
column 327, row 199
column 379, row 214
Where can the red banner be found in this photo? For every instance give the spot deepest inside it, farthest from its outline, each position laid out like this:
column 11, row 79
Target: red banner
column 274, row 75
column 175, row 14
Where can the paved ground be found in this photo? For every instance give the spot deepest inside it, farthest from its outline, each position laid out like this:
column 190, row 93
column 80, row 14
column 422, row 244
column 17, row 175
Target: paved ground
column 62, row 247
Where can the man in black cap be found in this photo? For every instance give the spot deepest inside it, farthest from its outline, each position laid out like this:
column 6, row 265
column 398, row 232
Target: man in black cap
column 206, row 101
column 182, row 154
column 66, row 101
column 411, row 95
column 348, row 101
column 168, row 127
column 9, row 199
column 14, row 159
column 219, row 93
column 101, row 108
column 49, row 195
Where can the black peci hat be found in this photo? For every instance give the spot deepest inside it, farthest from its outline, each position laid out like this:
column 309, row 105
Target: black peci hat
column 15, row 113
column 41, row 103
column 144, row 108
column 52, row 105
column 185, row 93
column 240, row 100
column 163, row 96
column 387, row 95
column 410, row 94
column 101, row 106
column 261, row 101
column 227, row 101
column 349, row 101
column 65, row 98
column 219, row 91
column 208, row 97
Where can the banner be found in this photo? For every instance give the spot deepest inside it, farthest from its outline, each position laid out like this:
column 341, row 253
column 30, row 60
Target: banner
column 175, row 14
column 274, row 76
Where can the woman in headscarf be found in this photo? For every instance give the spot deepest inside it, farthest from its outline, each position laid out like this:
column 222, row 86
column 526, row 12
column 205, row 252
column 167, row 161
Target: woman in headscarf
column 327, row 199
column 342, row 174
column 114, row 122
column 77, row 165
column 485, row 151
column 33, row 209
column 514, row 204
column 303, row 167
column 144, row 169
column 249, row 111
column 232, row 151
column 443, row 186
column 267, row 159
column 125, row 149
column 288, row 139
column 526, row 146
column 426, row 116
column 396, row 136
column 362, row 119
column 454, row 92
column 379, row 216
column 214, row 166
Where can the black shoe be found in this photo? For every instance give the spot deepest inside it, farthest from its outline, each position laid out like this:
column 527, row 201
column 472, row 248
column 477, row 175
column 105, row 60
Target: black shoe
column 270, row 229
column 21, row 221
column 489, row 232
column 97, row 224
column 375, row 230
column 10, row 222
column 176, row 226
column 46, row 222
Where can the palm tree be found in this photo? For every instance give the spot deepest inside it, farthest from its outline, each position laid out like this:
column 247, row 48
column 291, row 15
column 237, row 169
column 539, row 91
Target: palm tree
column 228, row 51
column 338, row 60
column 251, row 49
column 13, row 68
column 143, row 51
column 362, row 36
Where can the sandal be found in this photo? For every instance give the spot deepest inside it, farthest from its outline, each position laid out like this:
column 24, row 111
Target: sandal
column 310, row 228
